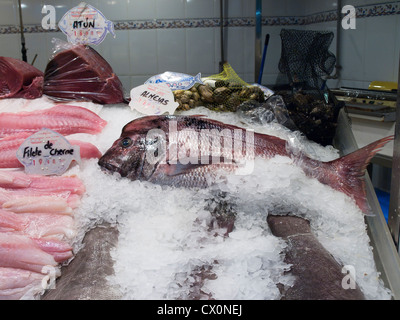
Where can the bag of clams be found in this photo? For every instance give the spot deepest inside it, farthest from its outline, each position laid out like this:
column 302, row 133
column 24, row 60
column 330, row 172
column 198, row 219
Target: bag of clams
column 223, row 92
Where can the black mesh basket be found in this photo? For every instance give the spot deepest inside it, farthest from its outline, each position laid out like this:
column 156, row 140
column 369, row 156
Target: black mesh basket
column 307, row 62
column 305, row 57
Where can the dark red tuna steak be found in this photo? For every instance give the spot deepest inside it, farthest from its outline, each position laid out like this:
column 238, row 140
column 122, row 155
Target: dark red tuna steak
column 19, row 79
column 81, row 73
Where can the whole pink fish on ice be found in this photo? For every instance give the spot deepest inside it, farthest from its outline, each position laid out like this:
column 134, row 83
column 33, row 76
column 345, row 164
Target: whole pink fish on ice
column 195, row 148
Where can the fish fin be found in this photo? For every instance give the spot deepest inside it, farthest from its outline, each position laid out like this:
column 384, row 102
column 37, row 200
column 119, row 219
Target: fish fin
column 110, row 27
column 351, row 172
column 197, row 78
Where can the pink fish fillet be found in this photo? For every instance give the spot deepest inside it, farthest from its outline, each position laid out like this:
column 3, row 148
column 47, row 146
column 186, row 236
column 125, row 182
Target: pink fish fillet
column 45, row 204
column 64, row 119
column 6, row 195
column 18, row 283
column 14, row 179
column 60, row 250
column 10, row 144
column 38, row 225
column 19, row 251
column 19, row 180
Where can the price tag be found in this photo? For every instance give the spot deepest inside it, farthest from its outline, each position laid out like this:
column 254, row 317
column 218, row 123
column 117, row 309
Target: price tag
column 85, row 24
column 153, row 99
column 47, row 152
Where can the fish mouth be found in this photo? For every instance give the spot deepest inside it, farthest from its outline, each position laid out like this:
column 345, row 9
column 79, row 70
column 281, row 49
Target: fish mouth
column 107, row 166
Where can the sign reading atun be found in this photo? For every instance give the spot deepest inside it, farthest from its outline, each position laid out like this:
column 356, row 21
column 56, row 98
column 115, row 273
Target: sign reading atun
column 85, row 24
column 47, row 152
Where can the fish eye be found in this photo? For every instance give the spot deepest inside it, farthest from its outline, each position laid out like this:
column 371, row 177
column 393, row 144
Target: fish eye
column 126, row 142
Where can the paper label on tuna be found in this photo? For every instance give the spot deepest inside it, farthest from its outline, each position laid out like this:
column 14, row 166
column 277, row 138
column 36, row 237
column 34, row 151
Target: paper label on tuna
column 85, row 24
column 47, row 152
column 153, row 99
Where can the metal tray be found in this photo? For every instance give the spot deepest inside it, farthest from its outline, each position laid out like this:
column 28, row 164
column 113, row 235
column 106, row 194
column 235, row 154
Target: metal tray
column 385, row 253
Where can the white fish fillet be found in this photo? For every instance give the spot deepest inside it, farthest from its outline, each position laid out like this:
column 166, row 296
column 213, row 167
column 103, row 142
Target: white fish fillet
column 16, row 284
column 45, row 204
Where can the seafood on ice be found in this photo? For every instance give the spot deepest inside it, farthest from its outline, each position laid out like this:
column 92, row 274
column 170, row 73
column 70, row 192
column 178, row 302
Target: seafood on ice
column 187, row 151
column 37, row 229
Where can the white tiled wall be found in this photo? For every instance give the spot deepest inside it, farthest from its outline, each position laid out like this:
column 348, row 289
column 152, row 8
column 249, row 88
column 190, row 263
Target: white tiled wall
column 370, row 52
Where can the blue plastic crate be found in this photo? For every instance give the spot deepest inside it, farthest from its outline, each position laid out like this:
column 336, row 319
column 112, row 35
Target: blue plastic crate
column 383, row 198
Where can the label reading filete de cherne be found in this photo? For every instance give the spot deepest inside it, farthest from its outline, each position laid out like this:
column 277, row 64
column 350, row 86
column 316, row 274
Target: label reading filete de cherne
column 47, row 152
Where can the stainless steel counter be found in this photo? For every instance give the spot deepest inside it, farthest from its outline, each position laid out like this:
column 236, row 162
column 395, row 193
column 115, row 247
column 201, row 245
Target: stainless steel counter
column 385, row 253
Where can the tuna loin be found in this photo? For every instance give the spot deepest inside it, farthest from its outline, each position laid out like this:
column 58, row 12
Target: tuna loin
column 19, row 79
column 81, row 73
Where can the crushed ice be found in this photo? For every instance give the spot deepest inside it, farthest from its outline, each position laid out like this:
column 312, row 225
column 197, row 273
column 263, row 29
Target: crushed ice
column 167, row 249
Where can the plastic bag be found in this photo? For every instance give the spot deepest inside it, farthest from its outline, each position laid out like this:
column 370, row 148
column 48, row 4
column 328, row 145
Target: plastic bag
column 79, row 72
column 274, row 109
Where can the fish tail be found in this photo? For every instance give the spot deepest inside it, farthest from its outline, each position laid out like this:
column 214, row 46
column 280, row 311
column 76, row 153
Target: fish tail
column 110, row 27
column 197, row 78
column 350, row 170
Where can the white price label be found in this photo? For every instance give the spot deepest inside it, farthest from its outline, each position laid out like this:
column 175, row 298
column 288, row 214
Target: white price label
column 153, row 99
column 47, row 152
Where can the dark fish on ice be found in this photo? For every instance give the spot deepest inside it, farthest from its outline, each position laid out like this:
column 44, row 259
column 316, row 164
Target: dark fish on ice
column 85, row 277
column 185, row 151
column 318, row 275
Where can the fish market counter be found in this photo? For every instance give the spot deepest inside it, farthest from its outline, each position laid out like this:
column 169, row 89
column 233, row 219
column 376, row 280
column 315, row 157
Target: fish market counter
column 385, row 253
column 135, row 239
column 154, row 220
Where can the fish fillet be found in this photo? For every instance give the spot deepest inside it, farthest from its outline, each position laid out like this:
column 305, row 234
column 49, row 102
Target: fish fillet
column 64, row 119
column 45, row 204
column 19, row 79
column 14, row 179
column 17, row 283
column 38, row 225
column 60, row 250
column 19, row 251
column 6, row 195
column 19, row 180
